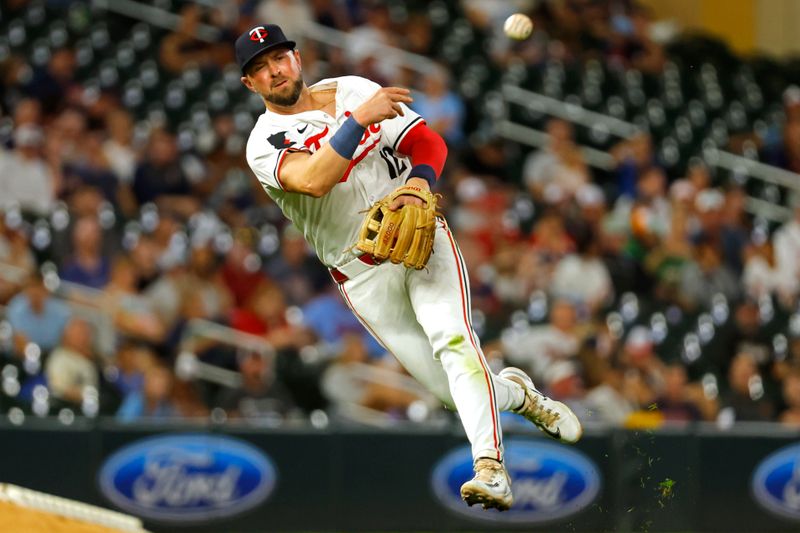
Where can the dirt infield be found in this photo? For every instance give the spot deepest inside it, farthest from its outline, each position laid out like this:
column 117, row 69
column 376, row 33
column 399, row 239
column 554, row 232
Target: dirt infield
column 16, row 519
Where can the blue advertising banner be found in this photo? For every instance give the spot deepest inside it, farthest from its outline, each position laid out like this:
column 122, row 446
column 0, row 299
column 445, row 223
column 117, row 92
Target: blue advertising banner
column 187, row 478
column 776, row 482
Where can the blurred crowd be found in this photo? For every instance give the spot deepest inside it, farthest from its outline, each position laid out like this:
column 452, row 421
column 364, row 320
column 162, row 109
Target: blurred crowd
column 144, row 274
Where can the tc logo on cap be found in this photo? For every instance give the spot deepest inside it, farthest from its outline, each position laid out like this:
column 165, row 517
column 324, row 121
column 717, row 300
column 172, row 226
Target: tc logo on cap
column 258, row 34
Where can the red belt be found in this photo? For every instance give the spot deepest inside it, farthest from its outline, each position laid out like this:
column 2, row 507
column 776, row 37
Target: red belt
column 340, row 278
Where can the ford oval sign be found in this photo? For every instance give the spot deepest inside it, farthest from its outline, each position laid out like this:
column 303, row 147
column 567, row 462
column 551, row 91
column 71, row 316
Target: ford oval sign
column 550, row 481
column 776, row 482
column 187, row 478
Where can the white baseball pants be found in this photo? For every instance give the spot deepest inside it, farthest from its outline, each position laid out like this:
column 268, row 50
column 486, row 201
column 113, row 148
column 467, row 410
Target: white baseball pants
column 423, row 317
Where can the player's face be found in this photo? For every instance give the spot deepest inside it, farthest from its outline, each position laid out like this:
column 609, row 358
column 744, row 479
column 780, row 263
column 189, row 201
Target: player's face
column 276, row 76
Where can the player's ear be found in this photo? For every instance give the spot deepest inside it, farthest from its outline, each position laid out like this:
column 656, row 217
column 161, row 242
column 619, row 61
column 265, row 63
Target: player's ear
column 296, row 53
column 247, row 83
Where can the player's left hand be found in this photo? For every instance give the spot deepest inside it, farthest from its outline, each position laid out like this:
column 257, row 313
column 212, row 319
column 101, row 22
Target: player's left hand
column 417, row 183
column 404, row 232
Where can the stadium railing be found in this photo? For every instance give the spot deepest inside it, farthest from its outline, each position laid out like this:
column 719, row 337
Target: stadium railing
column 581, row 116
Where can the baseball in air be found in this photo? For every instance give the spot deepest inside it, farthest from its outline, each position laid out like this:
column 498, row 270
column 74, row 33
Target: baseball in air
column 518, row 26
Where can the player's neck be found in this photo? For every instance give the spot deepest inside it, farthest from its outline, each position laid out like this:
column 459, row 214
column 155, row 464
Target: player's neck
column 306, row 102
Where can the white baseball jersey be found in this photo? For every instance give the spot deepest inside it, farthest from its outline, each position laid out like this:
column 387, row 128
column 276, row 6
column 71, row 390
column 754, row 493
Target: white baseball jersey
column 331, row 223
column 426, row 322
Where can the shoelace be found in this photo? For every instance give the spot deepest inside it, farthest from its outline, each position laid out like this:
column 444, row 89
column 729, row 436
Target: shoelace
column 545, row 416
column 485, row 469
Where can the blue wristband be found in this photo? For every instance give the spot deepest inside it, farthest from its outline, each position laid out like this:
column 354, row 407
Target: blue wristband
column 345, row 140
column 425, row 172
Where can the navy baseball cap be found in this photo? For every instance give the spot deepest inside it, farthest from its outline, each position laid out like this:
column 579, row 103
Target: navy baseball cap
column 258, row 40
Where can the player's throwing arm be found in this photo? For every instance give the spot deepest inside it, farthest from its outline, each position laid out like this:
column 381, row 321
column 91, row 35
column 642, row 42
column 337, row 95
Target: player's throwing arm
column 316, row 174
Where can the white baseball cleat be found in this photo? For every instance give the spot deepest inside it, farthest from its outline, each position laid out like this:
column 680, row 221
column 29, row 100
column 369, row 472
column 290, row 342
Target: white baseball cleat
column 554, row 418
column 490, row 487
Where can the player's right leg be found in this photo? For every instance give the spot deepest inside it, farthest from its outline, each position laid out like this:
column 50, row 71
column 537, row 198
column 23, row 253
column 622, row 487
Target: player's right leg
column 554, row 418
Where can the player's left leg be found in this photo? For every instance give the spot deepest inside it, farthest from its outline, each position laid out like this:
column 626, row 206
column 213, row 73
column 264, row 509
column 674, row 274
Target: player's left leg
column 440, row 298
column 440, row 301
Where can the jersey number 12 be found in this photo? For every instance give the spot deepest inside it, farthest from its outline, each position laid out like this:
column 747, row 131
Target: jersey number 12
column 396, row 166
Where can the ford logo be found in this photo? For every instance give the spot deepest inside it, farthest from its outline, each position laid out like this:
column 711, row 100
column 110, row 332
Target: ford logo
column 187, row 478
column 549, row 482
column 776, row 482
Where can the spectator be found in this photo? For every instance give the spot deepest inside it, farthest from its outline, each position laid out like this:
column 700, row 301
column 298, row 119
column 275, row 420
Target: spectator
column 608, row 402
column 549, row 351
column 132, row 313
column 788, row 155
column 70, row 368
column 37, row 316
column 144, row 256
column 353, row 382
column 17, row 262
column 261, row 396
column 331, row 14
column 131, row 362
column 666, row 260
column 550, row 242
column 588, row 213
column 91, row 169
column 791, row 398
column 645, row 54
column 504, row 283
column 162, row 176
column 707, row 276
column 26, row 179
column 205, row 281
column 223, row 155
column 153, row 401
column 123, row 158
column 633, row 156
column 418, row 35
column 366, row 45
column 742, row 334
column 329, row 318
column 745, row 400
column 442, row 108
column 263, row 313
column 718, row 225
column 786, row 243
column 183, row 47
column 299, row 273
column 118, row 147
column 15, row 73
column 87, row 265
column 166, row 293
column 56, row 83
column 760, row 278
column 241, row 270
column 674, row 404
column 560, row 163
column 645, row 381
column 582, row 277
column 293, row 16
column 645, row 218
column 65, row 137
column 28, row 112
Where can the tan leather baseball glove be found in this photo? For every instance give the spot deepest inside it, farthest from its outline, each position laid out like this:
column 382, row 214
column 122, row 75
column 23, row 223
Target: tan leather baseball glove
column 402, row 236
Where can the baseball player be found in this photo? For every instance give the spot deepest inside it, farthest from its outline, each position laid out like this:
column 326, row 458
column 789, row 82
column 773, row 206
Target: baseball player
column 325, row 154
